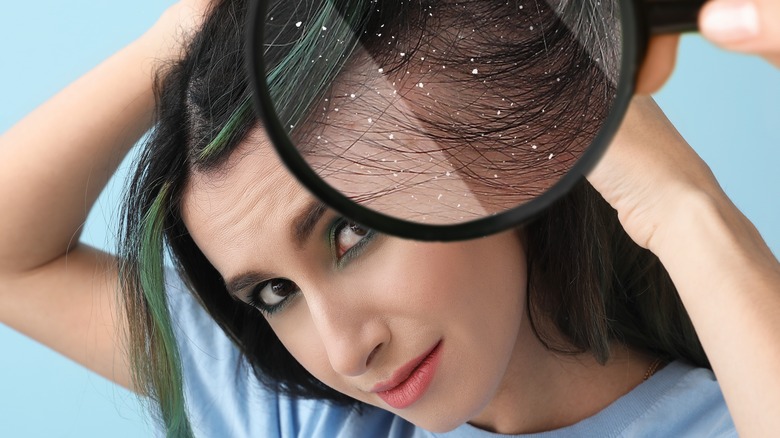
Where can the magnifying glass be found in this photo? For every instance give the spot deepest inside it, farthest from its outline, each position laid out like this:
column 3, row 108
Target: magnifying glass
column 445, row 119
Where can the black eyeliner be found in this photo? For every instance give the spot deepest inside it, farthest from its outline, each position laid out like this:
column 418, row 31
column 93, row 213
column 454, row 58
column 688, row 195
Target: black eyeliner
column 253, row 299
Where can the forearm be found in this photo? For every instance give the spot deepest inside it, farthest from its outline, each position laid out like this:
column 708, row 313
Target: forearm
column 729, row 282
column 55, row 162
column 53, row 165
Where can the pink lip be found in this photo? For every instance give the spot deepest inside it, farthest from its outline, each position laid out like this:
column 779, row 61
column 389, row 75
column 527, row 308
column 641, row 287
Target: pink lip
column 410, row 381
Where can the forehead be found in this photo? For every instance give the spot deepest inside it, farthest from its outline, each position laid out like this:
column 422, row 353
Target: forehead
column 250, row 197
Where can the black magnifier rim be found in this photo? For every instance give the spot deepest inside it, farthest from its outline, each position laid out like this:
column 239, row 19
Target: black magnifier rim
column 632, row 48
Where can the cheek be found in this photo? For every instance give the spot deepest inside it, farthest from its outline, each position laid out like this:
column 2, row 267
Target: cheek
column 303, row 340
column 299, row 335
column 295, row 329
column 472, row 295
column 480, row 278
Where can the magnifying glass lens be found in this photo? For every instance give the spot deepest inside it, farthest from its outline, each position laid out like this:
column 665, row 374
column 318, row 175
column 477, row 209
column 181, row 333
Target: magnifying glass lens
column 441, row 113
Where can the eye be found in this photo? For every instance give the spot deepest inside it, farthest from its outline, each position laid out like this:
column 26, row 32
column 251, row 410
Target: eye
column 269, row 296
column 347, row 235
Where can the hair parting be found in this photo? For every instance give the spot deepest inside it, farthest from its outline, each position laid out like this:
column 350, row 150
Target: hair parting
column 241, row 116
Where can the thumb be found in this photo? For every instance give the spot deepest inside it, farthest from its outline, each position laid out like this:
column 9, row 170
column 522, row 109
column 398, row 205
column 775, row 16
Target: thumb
column 750, row 26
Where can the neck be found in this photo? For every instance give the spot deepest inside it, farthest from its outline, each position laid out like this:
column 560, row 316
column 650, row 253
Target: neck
column 543, row 390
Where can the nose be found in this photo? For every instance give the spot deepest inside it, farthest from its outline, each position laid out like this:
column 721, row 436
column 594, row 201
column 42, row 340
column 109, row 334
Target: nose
column 351, row 334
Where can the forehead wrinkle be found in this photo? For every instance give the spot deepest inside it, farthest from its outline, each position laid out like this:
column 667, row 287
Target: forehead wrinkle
column 243, row 208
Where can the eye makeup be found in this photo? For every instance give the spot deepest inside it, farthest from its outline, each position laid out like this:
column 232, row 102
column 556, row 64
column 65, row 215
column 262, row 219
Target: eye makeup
column 287, row 290
column 344, row 225
column 254, row 298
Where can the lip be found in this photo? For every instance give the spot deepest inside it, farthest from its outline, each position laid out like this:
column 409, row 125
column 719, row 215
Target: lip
column 410, row 382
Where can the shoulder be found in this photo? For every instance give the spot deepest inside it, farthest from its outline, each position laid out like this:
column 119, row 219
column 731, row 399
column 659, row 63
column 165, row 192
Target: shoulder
column 683, row 400
column 679, row 400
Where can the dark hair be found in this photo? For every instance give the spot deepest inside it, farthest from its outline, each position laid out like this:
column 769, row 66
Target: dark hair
column 586, row 276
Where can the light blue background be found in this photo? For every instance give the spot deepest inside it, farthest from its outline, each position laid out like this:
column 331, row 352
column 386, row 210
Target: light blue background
column 727, row 106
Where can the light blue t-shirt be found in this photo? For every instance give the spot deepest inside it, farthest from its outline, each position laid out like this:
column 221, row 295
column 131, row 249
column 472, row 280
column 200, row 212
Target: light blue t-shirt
column 226, row 400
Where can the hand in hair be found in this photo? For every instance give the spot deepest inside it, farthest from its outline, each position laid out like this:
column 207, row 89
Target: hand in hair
column 649, row 173
column 728, row 279
column 177, row 25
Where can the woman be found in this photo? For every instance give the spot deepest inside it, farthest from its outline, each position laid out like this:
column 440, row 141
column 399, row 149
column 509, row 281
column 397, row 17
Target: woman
column 326, row 336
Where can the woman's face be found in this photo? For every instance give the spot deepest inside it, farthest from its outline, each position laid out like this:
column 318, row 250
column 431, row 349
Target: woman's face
column 425, row 330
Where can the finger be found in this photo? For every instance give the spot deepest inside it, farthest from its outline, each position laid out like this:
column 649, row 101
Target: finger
column 750, row 26
column 658, row 63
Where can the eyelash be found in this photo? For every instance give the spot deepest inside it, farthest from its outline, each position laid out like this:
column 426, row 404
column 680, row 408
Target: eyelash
column 255, row 301
column 355, row 250
column 350, row 254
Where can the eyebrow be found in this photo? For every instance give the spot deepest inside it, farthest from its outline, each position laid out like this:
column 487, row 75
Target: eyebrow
column 305, row 221
column 303, row 225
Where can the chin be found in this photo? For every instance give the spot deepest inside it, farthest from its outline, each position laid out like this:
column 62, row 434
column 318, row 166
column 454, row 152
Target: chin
column 458, row 405
column 443, row 426
column 441, row 420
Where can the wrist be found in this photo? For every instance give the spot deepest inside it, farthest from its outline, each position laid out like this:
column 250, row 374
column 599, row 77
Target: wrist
column 167, row 39
column 708, row 234
column 687, row 216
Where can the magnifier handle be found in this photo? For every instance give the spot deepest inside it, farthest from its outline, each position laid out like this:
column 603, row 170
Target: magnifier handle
column 672, row 16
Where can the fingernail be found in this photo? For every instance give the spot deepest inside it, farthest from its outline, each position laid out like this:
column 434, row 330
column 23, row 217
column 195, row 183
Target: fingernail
column 729, row 21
